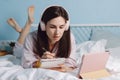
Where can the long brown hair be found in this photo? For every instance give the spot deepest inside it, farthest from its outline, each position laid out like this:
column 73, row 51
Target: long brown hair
column 64, row 47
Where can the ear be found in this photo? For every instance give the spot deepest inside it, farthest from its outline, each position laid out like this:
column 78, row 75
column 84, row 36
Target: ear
column 42, row 25
column 67, row 25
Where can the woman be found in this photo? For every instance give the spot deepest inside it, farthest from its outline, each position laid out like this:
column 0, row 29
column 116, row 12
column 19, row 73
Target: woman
column 53, row 35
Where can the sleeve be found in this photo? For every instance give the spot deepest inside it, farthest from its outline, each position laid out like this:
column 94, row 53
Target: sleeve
column 71, row 61
column 28, row 57
column 18, row 50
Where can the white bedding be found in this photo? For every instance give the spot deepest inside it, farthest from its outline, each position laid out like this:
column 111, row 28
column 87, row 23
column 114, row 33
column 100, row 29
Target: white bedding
column 10, row 71
column 113, row 63
column 10, row 68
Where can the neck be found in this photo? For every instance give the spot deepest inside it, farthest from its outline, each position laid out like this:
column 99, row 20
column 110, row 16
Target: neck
column 51, row 45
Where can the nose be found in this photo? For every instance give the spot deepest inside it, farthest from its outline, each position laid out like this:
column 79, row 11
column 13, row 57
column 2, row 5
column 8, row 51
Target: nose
column 57, row 31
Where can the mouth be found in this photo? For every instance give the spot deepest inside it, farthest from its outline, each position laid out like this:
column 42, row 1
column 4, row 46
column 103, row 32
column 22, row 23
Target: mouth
column 56, row 37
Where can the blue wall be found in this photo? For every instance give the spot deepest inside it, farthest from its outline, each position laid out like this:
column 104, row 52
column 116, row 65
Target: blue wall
column 81, row 12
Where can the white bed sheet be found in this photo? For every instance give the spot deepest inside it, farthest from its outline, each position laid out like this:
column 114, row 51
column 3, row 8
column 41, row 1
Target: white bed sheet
column 11, row 71
column 10, row 68
column 113, row 64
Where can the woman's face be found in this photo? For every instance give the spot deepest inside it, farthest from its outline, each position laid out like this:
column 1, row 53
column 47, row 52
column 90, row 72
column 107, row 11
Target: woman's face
column 55, row 29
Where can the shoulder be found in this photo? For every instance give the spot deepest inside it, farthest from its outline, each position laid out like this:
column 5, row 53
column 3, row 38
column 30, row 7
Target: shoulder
column 32, row 35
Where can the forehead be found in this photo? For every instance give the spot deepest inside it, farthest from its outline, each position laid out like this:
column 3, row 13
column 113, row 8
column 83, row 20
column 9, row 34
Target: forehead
column 57, row 20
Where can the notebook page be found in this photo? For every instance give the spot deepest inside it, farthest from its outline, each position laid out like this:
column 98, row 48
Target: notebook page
column 50, row 63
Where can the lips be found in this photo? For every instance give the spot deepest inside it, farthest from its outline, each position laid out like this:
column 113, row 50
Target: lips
column 56, row 37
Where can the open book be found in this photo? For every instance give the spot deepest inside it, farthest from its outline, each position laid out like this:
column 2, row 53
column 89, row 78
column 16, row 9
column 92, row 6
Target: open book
column 50, row 63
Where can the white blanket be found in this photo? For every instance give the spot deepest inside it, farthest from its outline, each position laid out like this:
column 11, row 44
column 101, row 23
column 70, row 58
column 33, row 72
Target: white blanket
column 10, row 68
column 11, row 71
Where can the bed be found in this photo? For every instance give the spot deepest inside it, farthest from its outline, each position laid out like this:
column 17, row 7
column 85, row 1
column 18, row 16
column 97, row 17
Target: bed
column 91, row 38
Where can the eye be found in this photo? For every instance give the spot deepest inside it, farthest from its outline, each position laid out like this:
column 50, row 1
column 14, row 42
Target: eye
column 52, row 26
column 62, row 26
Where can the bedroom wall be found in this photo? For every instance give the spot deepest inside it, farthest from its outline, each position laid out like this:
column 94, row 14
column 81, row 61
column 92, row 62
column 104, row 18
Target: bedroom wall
column 81, row 12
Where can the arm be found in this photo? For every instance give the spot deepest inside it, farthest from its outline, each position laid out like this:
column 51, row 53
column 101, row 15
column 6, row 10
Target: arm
column 71, row 61
column 28, row 57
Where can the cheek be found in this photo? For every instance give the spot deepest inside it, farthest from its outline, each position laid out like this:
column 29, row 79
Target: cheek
column 49, row 33
column 62, row 32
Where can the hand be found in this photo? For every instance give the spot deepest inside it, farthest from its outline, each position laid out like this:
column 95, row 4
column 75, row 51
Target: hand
column 36, row 64
column 48, row 55
column 65, row 68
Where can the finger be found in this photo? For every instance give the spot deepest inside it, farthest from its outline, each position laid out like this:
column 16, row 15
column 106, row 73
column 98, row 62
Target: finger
column 44, row 57
column 49, row 56
column 48, row 53
column 65, row 68
column 61, row 65
column 53, row 55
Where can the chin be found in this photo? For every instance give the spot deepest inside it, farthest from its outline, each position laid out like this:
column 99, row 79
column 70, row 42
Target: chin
column 56, row 40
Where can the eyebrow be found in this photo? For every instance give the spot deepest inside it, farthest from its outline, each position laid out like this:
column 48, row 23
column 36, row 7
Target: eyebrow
column 55, row 25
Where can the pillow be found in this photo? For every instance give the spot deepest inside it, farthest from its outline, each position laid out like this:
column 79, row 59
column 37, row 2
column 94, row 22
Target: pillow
column 114, row 59
column 91, row 46
column 112, row 39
